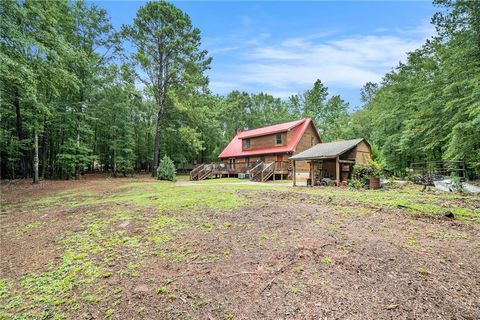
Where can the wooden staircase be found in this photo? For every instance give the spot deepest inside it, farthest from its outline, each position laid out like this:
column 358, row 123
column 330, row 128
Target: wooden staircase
column 205, row 172
column 201, row 172
column 262, row 171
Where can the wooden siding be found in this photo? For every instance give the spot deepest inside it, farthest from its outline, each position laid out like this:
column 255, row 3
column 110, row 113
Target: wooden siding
column 363, row 153
column 267, row 141
column 360, row 154
column 268, row 158
column 304, row 144
column 306, row 140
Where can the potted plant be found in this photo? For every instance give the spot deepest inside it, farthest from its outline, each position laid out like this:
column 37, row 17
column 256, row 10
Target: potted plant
column 374, row 175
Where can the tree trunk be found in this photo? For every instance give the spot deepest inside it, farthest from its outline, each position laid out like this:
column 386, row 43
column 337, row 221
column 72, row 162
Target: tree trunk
column 77, row 169
column 35, row 157
column 92, row 169
column 114, row 163
column 23, row 160
column 156, row 151
column 44, row 148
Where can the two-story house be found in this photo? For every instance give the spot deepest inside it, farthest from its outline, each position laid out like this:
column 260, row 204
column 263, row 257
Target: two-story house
column 272, row 144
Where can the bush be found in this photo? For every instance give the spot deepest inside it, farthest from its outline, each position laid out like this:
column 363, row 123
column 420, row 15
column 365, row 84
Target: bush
column 166, row 169
column 363, row 171
column 356, row 184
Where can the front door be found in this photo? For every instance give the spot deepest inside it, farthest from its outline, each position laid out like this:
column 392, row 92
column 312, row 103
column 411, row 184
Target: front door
column 279, row 164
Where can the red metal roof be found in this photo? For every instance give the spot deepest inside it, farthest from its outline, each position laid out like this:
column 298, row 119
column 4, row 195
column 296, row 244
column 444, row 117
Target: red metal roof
column 282, row 127
column 234, row 148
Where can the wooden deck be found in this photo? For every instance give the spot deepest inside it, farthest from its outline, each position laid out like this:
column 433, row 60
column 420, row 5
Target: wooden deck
column 256, row 171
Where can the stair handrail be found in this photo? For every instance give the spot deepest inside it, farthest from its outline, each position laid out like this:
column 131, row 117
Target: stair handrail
column 196, row 170
column 206, row 171
column 269, row 168
column 255, row 170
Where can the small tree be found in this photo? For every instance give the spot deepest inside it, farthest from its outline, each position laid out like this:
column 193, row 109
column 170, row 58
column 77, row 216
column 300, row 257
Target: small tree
column 166, row 169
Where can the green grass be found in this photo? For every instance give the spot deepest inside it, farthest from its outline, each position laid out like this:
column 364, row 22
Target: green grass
column 409, row 198
column 101, row 248
column 161, row 195
column 221, row 181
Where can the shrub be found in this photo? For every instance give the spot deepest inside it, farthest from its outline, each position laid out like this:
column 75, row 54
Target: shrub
column 166, row 169
column 356, row 184
column 363, row 171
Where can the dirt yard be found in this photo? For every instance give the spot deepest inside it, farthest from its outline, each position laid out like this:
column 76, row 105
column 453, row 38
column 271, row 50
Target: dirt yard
column 136, row 248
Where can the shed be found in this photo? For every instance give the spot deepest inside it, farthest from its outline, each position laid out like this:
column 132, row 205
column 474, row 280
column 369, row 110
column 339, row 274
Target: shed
column 333, row 160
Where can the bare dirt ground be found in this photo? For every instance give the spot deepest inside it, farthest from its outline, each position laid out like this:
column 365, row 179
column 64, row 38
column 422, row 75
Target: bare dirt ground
column 136, row 248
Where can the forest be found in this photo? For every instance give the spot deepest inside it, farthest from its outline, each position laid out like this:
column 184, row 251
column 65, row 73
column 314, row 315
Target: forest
column 78, row 95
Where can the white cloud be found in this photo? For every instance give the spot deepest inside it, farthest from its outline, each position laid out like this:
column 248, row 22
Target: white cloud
column 287, row 65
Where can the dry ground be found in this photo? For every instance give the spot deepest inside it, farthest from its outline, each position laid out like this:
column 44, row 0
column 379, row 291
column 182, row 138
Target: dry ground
column 136, row 248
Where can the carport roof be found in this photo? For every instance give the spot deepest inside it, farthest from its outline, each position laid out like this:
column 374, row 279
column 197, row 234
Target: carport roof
column 327, row 150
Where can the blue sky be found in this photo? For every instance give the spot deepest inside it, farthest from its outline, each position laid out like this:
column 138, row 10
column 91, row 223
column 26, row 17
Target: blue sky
column 283, row 47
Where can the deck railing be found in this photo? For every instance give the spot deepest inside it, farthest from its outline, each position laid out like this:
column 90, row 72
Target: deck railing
column 237, row 167
column 282, row 166
column 205, row 171
column 256, row 171
column 254, row 168
column 195, row 171
column 268, row 170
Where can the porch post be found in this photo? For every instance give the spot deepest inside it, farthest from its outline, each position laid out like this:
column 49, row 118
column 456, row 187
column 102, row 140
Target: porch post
column 294, row 174
column 310, row 172
column 337, row 177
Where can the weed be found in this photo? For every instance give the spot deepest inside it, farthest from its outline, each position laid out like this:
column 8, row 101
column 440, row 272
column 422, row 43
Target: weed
column 298, row 269
column 109, row 313
column 265, row 237
column 227, row 225
column 132, row 266
column 448, row 235
column 327, row 261
column 161, row 290
column 424, row 271
column 294, row 290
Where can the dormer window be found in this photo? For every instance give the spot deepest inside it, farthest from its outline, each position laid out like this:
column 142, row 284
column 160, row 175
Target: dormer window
column 247, row 143
column 278, row 139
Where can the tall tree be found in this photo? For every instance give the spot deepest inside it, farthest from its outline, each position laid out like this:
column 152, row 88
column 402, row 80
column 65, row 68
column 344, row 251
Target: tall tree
column 168, row 52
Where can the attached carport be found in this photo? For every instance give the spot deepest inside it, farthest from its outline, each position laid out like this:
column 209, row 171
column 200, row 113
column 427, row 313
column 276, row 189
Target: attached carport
column 333, row 160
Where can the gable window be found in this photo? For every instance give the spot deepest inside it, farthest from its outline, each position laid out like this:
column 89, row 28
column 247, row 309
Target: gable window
column 313, row 141
column 278, row 139
column 247, row 143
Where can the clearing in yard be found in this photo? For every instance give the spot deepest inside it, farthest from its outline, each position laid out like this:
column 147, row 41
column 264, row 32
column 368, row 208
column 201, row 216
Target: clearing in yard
column 137, row 248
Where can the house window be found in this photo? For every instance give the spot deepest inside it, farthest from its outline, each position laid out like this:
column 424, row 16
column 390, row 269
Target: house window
column 313, row 141
column 247, row 143
column 278, row 139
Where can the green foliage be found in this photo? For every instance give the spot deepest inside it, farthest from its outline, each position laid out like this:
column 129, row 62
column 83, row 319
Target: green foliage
column 330, row 116
column 363, row 171
column 423, row 271
column 428, row 108
column 356, row 183
column 166, row 170
column 65, row 79
column 74, row 158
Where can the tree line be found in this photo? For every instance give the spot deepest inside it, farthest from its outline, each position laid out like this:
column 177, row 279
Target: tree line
column 78, row 95
column 428, row 108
